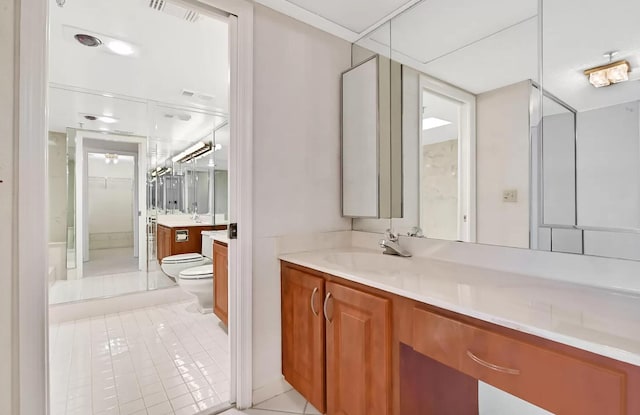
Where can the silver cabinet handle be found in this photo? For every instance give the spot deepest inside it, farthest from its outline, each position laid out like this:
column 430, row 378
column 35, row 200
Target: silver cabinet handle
column 313, row 297
column 324, row 307
column 491, row 366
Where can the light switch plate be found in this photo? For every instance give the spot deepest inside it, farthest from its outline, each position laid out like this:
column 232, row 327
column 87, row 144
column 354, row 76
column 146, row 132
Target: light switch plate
column 510, row 195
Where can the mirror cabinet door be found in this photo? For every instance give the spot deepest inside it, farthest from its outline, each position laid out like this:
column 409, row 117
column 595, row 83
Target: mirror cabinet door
column 372, row 133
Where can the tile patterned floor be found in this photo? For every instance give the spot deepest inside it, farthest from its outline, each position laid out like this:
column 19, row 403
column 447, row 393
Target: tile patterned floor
column 167, row 359
column 65, row 291
column 288, row 403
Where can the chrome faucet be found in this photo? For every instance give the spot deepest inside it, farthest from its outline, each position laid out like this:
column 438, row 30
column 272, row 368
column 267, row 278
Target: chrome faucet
column 391, row 245
column 415, row 232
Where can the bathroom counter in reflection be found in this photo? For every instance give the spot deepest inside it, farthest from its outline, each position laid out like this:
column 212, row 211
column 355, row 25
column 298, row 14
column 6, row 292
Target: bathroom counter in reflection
column 182, row 221
column 220, row 236
column 599, row 320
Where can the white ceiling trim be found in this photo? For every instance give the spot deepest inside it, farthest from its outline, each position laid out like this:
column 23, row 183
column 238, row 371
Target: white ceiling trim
column 324, row 24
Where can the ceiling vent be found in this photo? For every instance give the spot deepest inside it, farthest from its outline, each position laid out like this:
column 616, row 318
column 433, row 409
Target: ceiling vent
column 187, row 93
column 174, row 10
column 157, row 5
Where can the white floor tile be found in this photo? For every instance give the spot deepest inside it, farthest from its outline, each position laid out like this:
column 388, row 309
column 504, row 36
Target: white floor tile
column 291, row 402
column 113, row 364
column 161, row 409
column 109, row 285
column 182, row 401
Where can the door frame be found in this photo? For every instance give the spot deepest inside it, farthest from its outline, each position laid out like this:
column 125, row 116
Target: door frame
column 466, row 152
column 30, row 370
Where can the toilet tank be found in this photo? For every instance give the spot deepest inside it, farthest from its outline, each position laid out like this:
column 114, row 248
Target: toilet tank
column 207, row 246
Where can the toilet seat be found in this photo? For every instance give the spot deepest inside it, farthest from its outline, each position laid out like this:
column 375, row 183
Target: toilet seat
column 182, row 258
column 197, row 273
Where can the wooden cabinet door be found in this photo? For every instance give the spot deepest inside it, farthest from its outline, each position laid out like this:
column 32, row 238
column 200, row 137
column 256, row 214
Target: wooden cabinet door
column 358, row 352
column 163, row 247
column 221, row 281
column 303, row 337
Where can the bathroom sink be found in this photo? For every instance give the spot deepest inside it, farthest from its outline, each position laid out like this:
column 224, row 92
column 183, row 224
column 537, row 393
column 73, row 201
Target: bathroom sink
column 377, row 263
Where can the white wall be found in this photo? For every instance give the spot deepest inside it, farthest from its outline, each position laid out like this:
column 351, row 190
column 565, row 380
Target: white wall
column 110, row 202
column 296, row 159
column 7, row 61
column 502, row 157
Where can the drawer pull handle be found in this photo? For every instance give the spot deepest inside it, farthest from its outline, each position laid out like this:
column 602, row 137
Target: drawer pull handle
column 313, row 297
column 491, row 366
column 324, row 307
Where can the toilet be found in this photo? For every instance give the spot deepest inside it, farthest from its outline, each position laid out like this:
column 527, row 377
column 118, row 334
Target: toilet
column 199, row 282
column 194, row 274
column 174, row 264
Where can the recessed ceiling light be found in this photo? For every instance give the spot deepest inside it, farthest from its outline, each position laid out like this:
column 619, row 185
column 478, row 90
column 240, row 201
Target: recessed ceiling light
column 88, row 40
column 433, row 122
column 121, row 48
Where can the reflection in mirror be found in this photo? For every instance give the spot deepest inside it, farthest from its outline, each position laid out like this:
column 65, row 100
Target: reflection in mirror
column 591, row 180
column 70, row 199
column 371, row 132
column 439, row 166
column 447, row 133
column 385, row 149
column 220, row 181
column 465, row 118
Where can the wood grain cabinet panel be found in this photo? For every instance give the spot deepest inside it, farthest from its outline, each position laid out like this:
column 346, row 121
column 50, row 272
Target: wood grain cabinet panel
column 221, row 281
column 556, row 382
column 358, row 352
column 303, row 334
column 348, row 358
column 167, row 244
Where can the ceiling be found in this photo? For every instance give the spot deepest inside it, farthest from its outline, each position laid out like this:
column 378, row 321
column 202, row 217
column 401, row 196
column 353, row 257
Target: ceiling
column 143, row 92
column 483, row 45
column 349, row 20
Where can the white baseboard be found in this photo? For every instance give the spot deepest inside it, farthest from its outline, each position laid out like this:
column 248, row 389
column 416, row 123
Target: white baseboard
column 59, row 313
column 270, row 390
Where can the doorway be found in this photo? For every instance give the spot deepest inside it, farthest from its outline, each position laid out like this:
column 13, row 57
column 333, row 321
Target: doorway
column 30, row 330
column 148, row 99
column 111, row 236
column 447, row 161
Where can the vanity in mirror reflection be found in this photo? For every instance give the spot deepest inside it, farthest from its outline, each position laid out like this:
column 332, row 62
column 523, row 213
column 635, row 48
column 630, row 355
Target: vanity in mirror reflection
column 495, row 153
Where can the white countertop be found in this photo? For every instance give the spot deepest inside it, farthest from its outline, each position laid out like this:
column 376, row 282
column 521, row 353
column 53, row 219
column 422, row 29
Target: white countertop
column 599, row 320
column 220, row 236
column 181, row 221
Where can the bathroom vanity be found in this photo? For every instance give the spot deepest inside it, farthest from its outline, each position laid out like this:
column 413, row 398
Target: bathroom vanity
column 364, row 333
column 180, row 238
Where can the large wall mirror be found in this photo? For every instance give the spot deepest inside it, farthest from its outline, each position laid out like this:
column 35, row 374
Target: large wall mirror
column 519, row 129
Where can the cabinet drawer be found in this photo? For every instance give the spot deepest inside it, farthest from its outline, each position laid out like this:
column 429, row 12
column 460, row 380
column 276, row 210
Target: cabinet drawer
column 556, row 382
